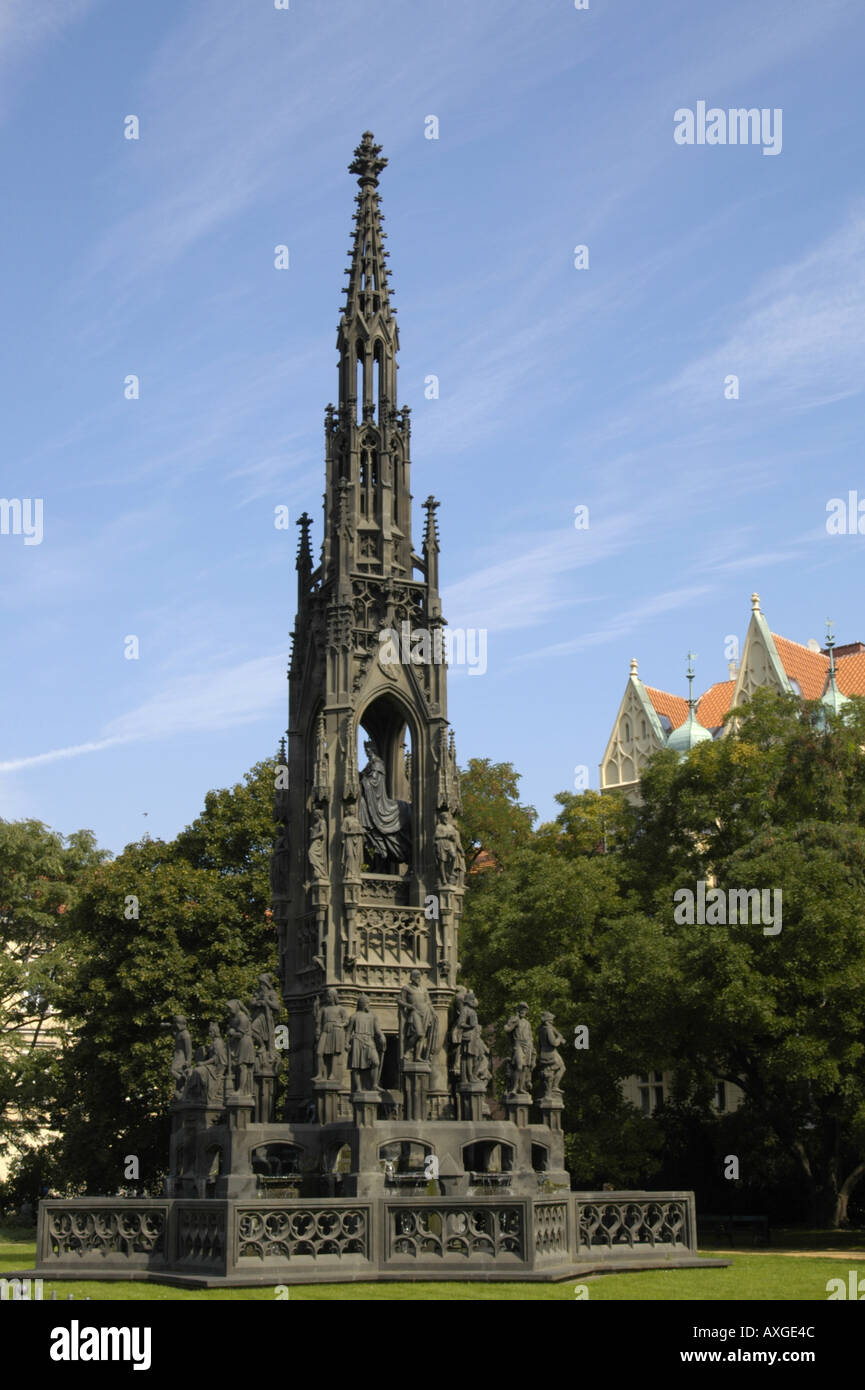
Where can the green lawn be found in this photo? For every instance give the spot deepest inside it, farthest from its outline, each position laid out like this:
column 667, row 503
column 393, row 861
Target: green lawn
column 751, row 1276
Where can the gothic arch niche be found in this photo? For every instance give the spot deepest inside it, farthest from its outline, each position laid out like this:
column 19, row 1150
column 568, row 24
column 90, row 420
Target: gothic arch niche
column 377, row 379
column 385, row 757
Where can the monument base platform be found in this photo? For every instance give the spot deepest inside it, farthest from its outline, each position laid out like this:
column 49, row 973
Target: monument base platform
column 219, row 1243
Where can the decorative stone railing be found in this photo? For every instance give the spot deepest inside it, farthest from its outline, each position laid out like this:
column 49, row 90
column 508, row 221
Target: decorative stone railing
column 487, row 1235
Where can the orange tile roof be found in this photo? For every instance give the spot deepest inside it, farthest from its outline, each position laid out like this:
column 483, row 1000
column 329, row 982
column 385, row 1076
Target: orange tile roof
column 675, row 708
column 713, row 705
column 802, row 665
column 850, row 674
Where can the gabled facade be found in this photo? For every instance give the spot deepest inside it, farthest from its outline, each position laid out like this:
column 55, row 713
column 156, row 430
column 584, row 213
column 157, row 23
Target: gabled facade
column 648, row 718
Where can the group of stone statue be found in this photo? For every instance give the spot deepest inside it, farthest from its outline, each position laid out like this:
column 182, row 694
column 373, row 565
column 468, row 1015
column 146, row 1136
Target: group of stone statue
column 227, row 1066
column 522, row 1059
column 360, row 1035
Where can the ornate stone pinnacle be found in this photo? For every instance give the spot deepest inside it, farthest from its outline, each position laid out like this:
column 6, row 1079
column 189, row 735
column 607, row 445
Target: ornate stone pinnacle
column 367, row 162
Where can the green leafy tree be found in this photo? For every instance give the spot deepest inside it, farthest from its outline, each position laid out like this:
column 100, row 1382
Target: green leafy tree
column 165, row 928
column 39, row 874
column 777, row 806
column 492, row 822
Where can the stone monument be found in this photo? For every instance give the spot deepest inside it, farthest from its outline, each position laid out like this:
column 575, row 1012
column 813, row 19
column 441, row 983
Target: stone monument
column 385, row 1160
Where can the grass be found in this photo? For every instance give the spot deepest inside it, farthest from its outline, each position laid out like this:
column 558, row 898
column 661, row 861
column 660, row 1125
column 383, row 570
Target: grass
column 752, row 1276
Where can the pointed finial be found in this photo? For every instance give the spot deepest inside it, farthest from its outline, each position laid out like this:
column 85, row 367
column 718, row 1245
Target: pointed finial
column 830, row 647
column 755, row 603
column 634, row 666
column 430, row 534
column 367, row 162
column 304, row 553
column 692, row 656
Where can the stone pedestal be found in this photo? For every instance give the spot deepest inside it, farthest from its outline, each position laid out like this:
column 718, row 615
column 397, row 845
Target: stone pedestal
column 415, row 1085
column 240, row 1110
column 472, row 1095
column 365, row 1105
column 327, row 1101
column 551, row 1108
column 518, row 1106
column 265, row 1082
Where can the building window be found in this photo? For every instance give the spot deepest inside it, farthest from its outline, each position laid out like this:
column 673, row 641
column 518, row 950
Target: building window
column 651, row 1092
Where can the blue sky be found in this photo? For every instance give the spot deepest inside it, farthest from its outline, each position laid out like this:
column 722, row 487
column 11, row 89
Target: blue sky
column 558, row 386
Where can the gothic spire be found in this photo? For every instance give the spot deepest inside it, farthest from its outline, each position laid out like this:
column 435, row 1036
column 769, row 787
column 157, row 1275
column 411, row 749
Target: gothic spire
column 367, row 292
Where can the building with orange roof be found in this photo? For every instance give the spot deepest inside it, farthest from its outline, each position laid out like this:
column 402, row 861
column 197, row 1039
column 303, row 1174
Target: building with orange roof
column 650, row 719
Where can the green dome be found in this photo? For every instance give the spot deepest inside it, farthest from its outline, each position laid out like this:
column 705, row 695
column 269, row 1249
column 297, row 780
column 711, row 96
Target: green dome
column 688, row 735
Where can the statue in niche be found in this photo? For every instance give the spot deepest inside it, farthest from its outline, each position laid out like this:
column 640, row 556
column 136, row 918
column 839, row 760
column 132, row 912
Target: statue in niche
column 241, row 1047
column 279, row 865
column 419, row 1022
column 182, row 1059
column 352, row 844
column 366, row 1044
column 206, row 1082
column 551, row 1066
column 330, row 1038
column 474, row 1053
column 522, row 1058
column 317, row 853
column 449, row 851
column 386, row 822
column 266, row 1005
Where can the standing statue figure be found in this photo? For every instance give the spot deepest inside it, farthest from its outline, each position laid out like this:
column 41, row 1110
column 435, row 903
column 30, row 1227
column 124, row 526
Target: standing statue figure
column 552, row 1068
column 206, row 1082
column 330, row 1039
column 352, row 844
column 241, row 1047
column 522, row 1058
column 455, row 1033
column 419, row 1022
column 474, row 1053
column 366, row 1044
column 317, row 853
column 449, row 851
column 182, row 1059
column 266, row 1005
column 386, row 822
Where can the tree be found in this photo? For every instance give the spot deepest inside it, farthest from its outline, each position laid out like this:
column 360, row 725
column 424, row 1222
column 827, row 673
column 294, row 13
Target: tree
column 492, row 822
column 39, row 874
column 778, row 806
column 165, row 928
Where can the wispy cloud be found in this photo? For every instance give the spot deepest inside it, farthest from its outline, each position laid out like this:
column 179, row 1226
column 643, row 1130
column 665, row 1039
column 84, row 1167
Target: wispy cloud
column 207, row 701
column 799, row 341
